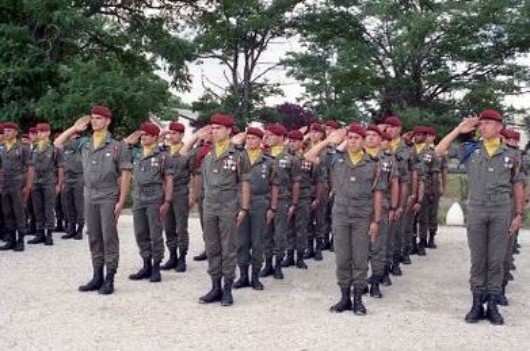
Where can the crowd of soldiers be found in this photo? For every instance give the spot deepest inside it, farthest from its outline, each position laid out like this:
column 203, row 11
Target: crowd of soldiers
column 268, row 199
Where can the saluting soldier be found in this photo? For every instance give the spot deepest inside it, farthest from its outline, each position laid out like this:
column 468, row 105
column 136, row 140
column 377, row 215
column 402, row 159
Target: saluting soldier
column 18, row 173
column 47, row 184
column 495, row 205
column 263, row 206
column 30, row 213
column 152, row 198
column 224, row 175
column 357, row 212
column 107, row 174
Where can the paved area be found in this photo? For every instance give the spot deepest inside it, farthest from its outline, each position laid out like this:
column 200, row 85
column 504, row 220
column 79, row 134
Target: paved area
column 41, row 309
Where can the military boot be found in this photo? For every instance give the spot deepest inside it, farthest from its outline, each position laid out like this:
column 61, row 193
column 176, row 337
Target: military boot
column 310, row 251
column 95, row 283
column 201, row 257
column 11, row 240
column 503, row 300
column 344, row 303
column 318, row 250
column 374, row 287
column 243, row 281
column 181, row 262
column 215, row 294
column 254, row 282
column 171, row 263
column 421, row 247
column 477, row 309
column 326, row 243
column 396, row 270
column 385, row 279
column 289, row 260
column 39, row 237
column 19, row 247
column 59, row 227
column 414, row 248
column 405, row 258
column 358, row 306
column 492, row 312
column 227, row 299
column 431, row 244
column 49, row 237
column 300, row 260
column 70, row 231
column 108, row 285
column 156, row 277
column 278, row 274
column 79, row 232
column 268, row 270
column 144, row 272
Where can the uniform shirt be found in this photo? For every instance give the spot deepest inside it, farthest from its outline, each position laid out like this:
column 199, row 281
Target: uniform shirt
column 102, row 167
column 404, row 163
column 310, row 175
column 15, row 163
column 430, row 166
column 148, row 176
column 354, row 185
column 73, row 167
column 287, row 168
column 182, row 170
column 47, row 161
column 261, row 176
column 491, row 177
column 389, row 171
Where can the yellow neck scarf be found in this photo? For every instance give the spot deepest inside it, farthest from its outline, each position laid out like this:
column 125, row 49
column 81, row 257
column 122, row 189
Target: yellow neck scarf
column 98, row 138
column 394, row 143
column 148, row 150
column 492, row 145
column 372, row 151
column 43, row 144
column 420, row 147
column 253, row 155
column 10, row 143
column 276, row 150
column 356, row 156
column 175, row 148
column 221, row 147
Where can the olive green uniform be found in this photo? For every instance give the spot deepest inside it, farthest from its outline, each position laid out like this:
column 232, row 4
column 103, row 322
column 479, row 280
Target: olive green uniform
column 72, row 194
column 433, row 166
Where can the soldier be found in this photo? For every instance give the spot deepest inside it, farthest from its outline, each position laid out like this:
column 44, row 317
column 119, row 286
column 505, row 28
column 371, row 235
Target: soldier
column 47, row 183
column 288, row 182
column 330, row 126
column 107, row 174
column 357, row 212
column 18, row 175
column 176, row 223
column 263, row 206
column 152, row 197
column 495, row 208
column 30, row 213
column 224, row 173
column 72, row 193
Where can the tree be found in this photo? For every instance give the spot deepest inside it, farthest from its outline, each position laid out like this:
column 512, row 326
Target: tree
column 430, row 61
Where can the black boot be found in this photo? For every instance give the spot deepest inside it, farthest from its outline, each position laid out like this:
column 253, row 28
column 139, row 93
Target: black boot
column 108, row 285
column 242, row 282
column 318, row 250
column 215, row 294
column 396, row 270
column 326, row 243
column 254, row 282
column 516, row 250
column 310, row 252
column 144, row 272
column 414, row 249
column 268, row 270
column 201, row 257
column 79, row 232
column 385, row 279
column 59, row 227
column 405, row 258
column 374, row 287
column 171, row 263
column 421, row 247
column 503, row 300
column 431, row 244
column 95, row 283
column 512, row 266
column 39, row 237
column 11, row 241
column 492, row 313
column 181, row 262
column 227, row 299
column 344, row 303
column 300, row 260
column 278, row 274
column 70, row 231
column 156, row 277
column 358, row 306
column 19, row 247
column 477, row 309
column 289, row 260
column 49, row 237
column 32, row 229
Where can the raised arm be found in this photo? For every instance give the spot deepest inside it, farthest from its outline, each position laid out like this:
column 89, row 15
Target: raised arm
column 466, row 126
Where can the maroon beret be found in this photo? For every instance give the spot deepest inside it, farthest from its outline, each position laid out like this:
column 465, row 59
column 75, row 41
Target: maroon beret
column 222, row 120
column 177, row 127
column 32, row 130
column 255, row 131
column 277, row 129
column 509, row 133
column 295, row 135
column 24, row 136
column 150, row 128
column 332, row 124
column 43, row 127
column 431, row 131
column 420, row 130
column 10, row 125
column 317, row 127
column 235, row 130
column 1, row 128
column 393, row 121
column 490, row 114
column 101, row 111
column 357, row 129
column 374, row 128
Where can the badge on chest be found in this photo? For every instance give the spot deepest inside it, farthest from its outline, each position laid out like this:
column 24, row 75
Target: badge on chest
column 283, row 163
column 229, row 163
column 306, row 166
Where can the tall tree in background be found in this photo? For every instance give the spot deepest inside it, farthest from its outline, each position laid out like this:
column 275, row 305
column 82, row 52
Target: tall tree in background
column 433, row 61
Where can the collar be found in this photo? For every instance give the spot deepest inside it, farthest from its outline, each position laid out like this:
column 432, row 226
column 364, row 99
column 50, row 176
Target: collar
column 372, row 151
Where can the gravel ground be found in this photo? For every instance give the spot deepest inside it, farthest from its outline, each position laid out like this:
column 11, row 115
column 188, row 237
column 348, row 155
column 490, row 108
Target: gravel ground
column 41, row 309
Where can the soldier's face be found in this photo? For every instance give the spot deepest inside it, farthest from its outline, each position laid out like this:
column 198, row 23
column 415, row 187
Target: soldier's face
column 273, row 139
column 220, row 133
column 419, row 138
column 252, row 142
column 295, row 145
column 354, row 142
column 372, row 139
column 315, row 136
column 489, row 128
column 175, row 137
column 147, row 139
column 394, row 131
column 33, row 137
column 10, row 134
column 41, row 135
column 430, row 139
column 382, row 127
column 99, row 123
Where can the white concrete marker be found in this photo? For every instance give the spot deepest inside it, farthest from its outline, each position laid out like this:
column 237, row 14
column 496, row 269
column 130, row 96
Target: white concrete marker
column 455, row 215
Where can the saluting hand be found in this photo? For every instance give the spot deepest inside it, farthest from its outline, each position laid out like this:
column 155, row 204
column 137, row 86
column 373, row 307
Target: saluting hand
column 133, row 137
column 468, row 125
column 82, row 123
column 337, row 136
